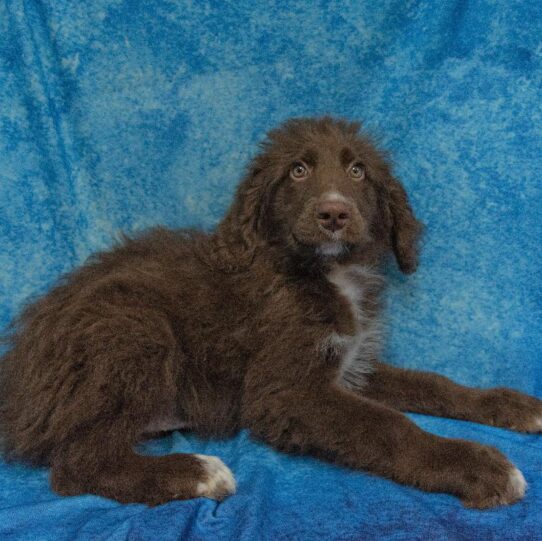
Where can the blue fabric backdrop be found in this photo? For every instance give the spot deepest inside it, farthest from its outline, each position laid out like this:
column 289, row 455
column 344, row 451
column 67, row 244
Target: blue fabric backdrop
column 120, row 115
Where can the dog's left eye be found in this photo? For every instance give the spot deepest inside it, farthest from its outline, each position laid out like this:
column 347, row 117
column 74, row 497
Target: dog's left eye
column 357, row 171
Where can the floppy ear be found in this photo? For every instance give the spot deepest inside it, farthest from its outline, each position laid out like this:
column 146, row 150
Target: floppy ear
column 242, row 229
column 405, row 228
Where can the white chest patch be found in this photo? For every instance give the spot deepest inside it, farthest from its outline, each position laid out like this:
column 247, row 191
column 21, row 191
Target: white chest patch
column 165, row 423
column 358, row 351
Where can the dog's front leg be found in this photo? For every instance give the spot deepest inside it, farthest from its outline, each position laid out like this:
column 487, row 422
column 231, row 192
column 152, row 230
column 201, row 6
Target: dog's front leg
column 337, row 425
column 426, row 392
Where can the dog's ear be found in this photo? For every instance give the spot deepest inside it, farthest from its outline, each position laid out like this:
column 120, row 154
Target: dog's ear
column 243, row 228
column 405, row 229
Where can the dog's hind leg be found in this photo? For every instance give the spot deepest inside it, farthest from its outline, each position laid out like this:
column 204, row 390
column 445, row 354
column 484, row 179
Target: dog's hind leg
column 101, row 461
column 130, row 379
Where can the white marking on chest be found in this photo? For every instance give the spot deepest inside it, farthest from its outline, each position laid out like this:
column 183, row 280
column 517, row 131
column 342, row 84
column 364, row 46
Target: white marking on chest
column 165, row 423
column 360, row 350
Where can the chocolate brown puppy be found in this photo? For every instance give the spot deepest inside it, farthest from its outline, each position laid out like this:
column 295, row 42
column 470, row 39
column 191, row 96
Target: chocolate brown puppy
column 269, row 323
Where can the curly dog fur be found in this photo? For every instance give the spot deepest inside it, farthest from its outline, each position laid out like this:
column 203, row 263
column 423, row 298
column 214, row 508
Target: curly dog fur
column 269, row 323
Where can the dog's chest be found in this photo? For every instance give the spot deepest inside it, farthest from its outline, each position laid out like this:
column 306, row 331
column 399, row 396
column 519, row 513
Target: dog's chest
column 354, row 284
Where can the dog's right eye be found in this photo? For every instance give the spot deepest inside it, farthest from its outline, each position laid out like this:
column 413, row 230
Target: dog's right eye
column 299, row 171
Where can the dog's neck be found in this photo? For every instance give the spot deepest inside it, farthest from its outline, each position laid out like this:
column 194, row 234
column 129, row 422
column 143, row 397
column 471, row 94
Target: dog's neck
column 310, row 262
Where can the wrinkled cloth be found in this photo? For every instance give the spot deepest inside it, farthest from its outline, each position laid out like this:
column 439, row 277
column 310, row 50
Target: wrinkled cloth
column 118, row 115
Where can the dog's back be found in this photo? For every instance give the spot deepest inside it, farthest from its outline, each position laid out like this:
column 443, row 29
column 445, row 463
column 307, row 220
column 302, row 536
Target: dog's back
column 72, row 344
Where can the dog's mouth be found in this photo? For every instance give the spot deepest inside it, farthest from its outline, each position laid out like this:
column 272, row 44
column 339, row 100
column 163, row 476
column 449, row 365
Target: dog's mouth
column 333, row 249
column 333, row 236
column 327, row 232
column 331, row 246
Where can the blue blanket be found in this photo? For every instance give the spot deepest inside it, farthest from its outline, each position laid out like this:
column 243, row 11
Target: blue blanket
column 116, row 115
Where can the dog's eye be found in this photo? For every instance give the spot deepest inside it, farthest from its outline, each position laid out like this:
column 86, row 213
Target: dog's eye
column 299, row 171
column 357, row 171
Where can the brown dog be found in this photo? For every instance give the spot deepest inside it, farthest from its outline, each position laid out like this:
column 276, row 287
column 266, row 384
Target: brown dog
column 269, row 323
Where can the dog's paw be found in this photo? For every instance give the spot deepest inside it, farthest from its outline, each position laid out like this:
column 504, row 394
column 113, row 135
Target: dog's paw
column 505, row 490
column 534, row 424
column 219, row 481
column 510, row 409
column 489, row 479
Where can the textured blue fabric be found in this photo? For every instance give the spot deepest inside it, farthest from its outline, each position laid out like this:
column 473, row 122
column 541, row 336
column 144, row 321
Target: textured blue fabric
column 119, row 115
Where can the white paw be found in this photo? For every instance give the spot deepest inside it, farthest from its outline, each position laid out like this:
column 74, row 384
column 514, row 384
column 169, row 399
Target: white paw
column 220, row 481
column 517, row 485
column 537, row 424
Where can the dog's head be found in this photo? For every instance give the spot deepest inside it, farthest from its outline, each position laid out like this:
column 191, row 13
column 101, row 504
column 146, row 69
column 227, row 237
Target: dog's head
column 319, row 188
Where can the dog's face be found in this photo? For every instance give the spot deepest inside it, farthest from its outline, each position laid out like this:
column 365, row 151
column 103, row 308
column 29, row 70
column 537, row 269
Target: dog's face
column 326, row 200
column 320, row 188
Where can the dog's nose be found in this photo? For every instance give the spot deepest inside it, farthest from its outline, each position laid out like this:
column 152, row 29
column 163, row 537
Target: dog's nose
column 332, row 215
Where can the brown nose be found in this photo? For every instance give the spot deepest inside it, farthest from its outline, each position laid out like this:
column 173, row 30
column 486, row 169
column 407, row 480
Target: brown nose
column 332, row 215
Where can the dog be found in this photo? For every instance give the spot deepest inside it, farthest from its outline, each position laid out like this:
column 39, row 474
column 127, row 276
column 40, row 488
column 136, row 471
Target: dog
column 269, row 323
